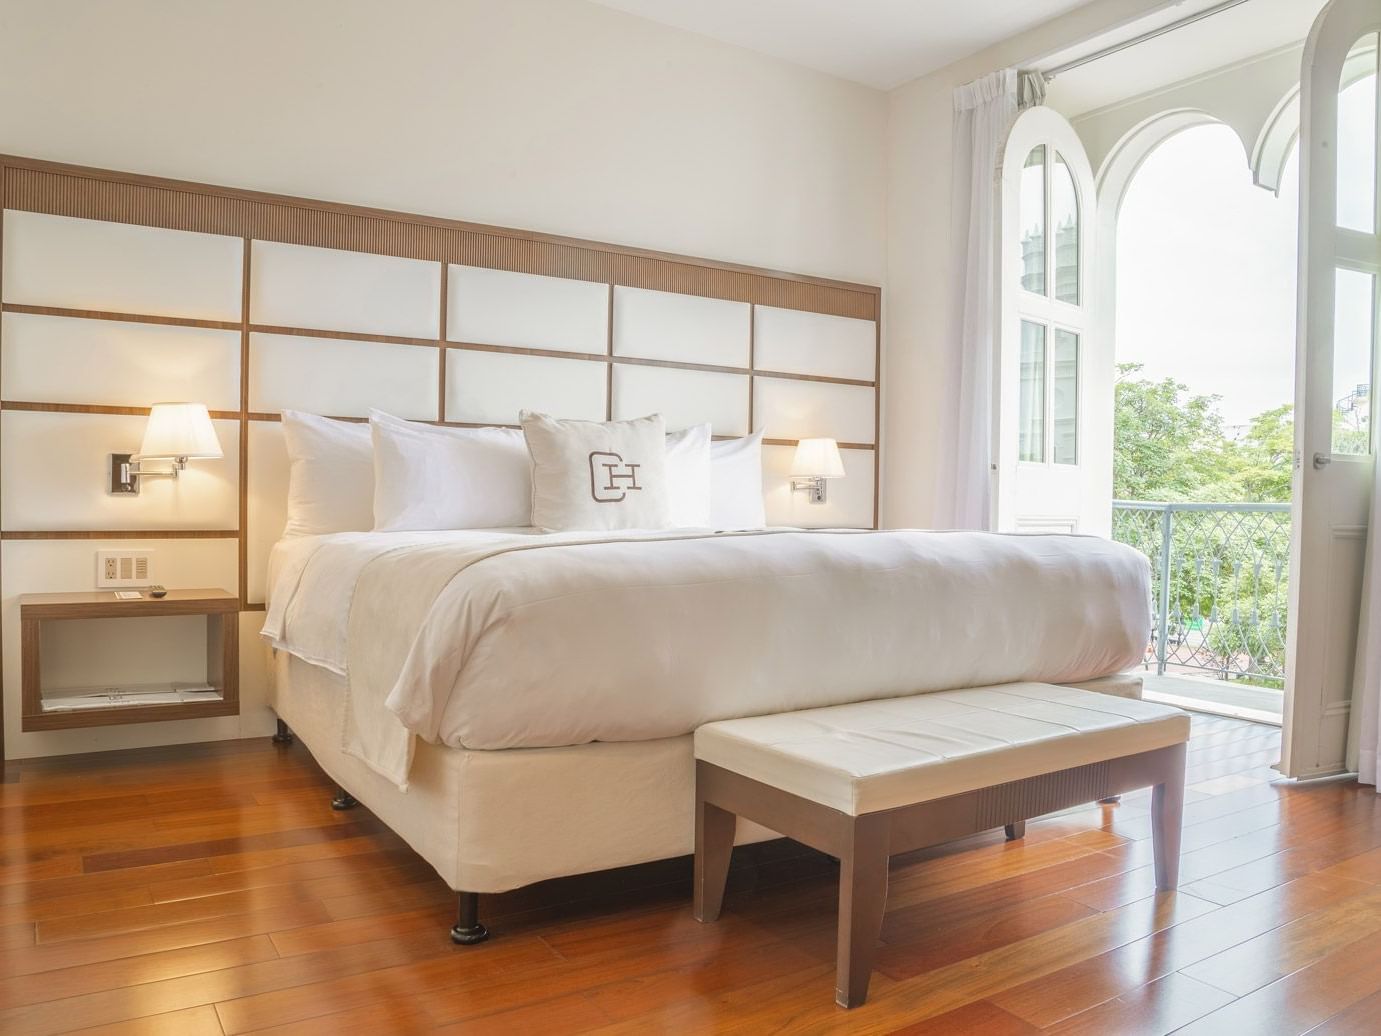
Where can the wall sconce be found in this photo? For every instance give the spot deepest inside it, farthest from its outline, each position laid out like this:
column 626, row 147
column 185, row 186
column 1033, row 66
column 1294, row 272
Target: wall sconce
column 815, row 461
column 175, row 433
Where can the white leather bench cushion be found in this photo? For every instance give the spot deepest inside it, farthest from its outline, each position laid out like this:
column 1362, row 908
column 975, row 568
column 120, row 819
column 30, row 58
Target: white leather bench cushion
column 891, row 752
column 1123, row 685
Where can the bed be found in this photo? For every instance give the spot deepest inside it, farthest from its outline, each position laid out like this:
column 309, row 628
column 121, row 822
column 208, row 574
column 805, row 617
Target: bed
column 518, row 705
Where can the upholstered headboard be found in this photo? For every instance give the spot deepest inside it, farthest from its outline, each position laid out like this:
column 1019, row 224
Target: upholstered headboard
column 121, row 290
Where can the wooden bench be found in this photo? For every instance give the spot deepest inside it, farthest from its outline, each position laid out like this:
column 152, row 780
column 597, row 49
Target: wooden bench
column 865, row 781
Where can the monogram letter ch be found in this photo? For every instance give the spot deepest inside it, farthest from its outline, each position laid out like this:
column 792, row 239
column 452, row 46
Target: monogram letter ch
column 611, row 477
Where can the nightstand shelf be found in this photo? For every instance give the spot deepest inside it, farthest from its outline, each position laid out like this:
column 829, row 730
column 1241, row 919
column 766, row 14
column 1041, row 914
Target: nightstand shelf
column 47, row 708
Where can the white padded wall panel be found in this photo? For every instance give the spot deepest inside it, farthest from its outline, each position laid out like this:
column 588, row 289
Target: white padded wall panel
column 341, row 378
column 490, row 388
column 664, row 325
column 796, row 342
column 266, row 503
column 788, row 409
column 118, row 267
column 496, row 307
column 57, row 472
column 848, row 501
column 52, row 566
column 65, row 360
column 330, row 289
column 683, row 398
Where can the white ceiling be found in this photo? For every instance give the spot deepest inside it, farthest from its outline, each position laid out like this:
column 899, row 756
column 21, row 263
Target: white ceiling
column 880, row 43
column 1254, row 28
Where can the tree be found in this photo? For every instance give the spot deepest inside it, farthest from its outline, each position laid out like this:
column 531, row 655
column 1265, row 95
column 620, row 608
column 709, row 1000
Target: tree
column 1166, row 445
column 1228, row 570
column 1263, row 457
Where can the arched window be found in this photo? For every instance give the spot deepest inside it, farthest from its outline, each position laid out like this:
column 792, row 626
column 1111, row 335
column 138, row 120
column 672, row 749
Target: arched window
column 1050, row 310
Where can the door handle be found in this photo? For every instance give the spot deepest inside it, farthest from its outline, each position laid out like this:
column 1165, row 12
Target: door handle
column 1321, row 461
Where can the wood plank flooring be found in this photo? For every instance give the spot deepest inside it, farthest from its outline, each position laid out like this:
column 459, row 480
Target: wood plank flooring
column 211, row 889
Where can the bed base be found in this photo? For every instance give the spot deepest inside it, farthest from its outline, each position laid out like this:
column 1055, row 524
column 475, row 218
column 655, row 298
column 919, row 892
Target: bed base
column 311, row 698
column 467, row 931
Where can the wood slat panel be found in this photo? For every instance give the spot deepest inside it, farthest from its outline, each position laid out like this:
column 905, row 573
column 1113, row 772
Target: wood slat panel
column 36, row 186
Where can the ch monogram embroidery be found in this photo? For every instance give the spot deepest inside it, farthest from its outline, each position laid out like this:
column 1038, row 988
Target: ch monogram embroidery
column 611, row 477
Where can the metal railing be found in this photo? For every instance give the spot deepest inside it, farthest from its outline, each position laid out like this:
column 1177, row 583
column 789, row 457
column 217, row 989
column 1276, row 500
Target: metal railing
column 1219, row 581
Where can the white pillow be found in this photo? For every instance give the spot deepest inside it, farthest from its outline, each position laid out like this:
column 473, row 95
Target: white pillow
column 597, row 475
column 736, row 483
column 331, row 475
column 428, row 477
column 688, row 477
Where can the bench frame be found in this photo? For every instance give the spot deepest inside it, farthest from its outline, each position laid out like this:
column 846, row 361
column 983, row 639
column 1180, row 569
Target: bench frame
column 864, row 843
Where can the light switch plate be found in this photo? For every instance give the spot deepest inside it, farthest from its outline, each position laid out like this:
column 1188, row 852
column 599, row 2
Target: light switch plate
column 124, row 568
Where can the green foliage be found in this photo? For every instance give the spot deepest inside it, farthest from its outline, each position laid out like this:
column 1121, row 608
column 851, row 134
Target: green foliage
column 1170, row 446
column 1349, row 435
column 1228, row 571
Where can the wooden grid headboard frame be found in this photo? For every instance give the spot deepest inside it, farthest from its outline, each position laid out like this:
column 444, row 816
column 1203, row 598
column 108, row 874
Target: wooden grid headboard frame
column 66, row 190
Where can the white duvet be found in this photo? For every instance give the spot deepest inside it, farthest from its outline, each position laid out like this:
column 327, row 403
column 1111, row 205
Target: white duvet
column 513, row 638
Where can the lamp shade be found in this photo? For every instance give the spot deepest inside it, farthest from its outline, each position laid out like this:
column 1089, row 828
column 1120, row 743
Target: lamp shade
column 180, row 430
column 817, row 458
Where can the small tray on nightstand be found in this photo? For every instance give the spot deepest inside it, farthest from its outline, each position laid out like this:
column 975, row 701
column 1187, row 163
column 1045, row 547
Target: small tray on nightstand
column 219, row 695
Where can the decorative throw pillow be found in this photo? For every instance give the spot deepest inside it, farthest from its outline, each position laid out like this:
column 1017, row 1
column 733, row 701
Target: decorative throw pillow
column 331, row 475
column 427, row 477
column 597, row 475
column 736, row 484
column 688, row 477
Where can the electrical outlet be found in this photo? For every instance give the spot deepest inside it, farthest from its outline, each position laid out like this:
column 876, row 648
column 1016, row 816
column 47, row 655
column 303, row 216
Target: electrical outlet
column 124, row 568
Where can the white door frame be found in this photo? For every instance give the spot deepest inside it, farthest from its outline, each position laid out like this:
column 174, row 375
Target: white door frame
column 1330, row 491
column 1035, row 496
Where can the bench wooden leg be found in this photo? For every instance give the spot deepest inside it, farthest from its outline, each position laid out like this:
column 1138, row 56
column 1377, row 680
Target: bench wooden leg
column 1167, row 815
column 1015, row 831
column 714, row 845
column 862, row 901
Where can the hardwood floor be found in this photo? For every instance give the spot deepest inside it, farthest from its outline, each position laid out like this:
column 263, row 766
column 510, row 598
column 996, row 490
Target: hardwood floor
column 211, row 889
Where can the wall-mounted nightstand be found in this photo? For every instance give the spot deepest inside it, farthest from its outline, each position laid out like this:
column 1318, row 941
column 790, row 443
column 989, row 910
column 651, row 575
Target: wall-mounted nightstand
column 52, row 708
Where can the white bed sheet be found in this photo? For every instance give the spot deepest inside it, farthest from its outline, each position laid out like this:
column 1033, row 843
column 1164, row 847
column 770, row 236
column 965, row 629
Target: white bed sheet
column 511, row 638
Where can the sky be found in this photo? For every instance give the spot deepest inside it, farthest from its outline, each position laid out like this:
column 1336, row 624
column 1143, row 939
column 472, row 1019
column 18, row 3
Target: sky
column 1206, row 268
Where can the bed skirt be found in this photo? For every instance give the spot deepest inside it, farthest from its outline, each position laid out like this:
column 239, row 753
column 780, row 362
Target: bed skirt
column 494, row 821
column 491, row 821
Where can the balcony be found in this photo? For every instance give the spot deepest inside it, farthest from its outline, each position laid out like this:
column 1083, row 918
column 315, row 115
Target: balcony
column 1219, row 584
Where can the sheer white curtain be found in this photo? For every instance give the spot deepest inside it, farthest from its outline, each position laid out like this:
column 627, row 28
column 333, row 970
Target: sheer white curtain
column 1364, row 751
column 983, row 114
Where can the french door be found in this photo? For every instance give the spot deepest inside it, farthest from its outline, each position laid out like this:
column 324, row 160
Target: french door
column 1054, row 385
column 1336, row 360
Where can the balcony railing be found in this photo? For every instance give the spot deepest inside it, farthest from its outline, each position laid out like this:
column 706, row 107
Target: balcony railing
column 1219, row 580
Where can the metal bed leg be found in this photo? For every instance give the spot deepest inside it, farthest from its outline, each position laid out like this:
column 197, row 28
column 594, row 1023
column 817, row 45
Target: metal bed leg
column 284, row 736
column 467, row 930
column 343, row 800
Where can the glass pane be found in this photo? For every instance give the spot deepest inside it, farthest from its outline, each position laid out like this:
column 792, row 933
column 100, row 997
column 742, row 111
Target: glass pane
column 1357, row 142
column 1354, row 338
column 1064, row 402
column 1064, row 218
column 1033, row 221
column 1031, row 410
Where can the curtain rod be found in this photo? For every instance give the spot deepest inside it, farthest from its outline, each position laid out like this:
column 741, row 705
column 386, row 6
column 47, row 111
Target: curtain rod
column 1150, row 34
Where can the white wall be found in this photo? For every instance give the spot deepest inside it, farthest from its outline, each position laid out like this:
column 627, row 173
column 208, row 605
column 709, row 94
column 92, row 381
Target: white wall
column 920, row 361
column 550, row 115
